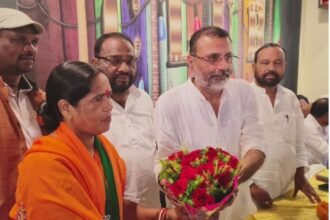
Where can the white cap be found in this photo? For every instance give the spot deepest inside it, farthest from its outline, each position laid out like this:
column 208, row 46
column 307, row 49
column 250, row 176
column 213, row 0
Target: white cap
column 12, row 18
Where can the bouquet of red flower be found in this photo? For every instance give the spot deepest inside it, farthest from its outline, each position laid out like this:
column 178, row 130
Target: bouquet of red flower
column 201, row 181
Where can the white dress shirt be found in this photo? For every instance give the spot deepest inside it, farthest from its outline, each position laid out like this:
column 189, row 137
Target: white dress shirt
column 132, row 133
column 283, row 133
column 315, row 141
column 184, row 118
column 25, row 113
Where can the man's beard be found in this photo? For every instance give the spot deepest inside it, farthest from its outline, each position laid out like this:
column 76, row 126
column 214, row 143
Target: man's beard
column 121, row 88
column 215, row 83
column 263, row 82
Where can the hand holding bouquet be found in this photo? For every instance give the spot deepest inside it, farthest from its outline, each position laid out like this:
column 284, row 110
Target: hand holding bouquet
column 201, row 181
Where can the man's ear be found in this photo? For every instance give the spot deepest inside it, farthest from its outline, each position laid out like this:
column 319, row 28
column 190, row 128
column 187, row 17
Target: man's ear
column 65, row 108
column 189, row 60
column 190, row 66
column 94, row 61
column 253, row 66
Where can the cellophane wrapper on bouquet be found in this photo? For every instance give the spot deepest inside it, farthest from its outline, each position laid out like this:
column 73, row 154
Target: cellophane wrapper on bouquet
column 202, row 181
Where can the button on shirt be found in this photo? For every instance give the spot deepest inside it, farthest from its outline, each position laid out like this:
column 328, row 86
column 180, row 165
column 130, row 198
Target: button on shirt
column 132, row 133
column 184, row 118
column 25, row 114
column 315, row 141
column 283, row 133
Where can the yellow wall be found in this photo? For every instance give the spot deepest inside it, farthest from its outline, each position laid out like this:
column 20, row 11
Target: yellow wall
column 313, row 50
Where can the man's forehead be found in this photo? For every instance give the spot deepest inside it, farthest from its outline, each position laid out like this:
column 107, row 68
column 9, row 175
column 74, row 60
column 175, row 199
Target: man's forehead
column 117, row 45
column 211, row 38
column 213, row 41
column 271, row 51
column 21, row 30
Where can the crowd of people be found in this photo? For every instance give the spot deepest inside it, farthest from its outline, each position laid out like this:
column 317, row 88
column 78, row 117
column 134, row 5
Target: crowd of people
column 88, row 147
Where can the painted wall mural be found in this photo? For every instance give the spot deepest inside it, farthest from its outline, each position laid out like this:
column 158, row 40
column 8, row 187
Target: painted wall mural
column 160, row 30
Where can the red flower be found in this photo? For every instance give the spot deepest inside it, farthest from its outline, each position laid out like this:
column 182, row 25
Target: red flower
column 207, row 168
column 224, row 178
column 201, row 198
column 200, row 178
column 211, row 154
column 233, row 162
column 190, row 158
column 179, row 187
column 188, row 173
column 176, row 156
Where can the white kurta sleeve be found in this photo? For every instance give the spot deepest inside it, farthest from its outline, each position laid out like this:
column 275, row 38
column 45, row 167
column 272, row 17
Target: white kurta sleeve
column 166, row 134
column 252, row 134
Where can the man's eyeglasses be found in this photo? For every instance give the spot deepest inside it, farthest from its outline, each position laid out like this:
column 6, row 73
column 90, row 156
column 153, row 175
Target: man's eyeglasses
column 23, row 41
column 116, row 61
column 215, row 58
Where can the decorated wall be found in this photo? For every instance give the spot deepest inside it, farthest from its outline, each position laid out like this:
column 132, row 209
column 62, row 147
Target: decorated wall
column 160, row 30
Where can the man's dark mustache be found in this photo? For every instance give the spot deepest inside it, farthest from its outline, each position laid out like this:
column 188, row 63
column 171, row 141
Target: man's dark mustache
column 273, row 73
column 121, row 74
column 28, row 55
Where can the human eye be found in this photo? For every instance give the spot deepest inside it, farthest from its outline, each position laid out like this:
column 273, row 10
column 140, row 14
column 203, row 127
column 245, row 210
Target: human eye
column 278, row 63
column 98, row 98
column 264, row 62
column 131, row 61
column 35, row 42
column 115, row 61
column 229, row 58
column 213, row 58
column 19, row 40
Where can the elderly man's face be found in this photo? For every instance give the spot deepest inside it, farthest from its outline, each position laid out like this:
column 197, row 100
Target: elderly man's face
column 211, row 66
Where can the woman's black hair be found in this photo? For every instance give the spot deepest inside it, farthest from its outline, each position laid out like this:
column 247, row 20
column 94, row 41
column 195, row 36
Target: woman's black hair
column 70, row 81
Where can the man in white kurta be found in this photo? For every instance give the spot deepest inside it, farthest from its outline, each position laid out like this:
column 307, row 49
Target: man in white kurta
column 283, row 132
column 131, row 129
column 185, row 116
column 316, row 135
column 132, row 133
column 283, row 129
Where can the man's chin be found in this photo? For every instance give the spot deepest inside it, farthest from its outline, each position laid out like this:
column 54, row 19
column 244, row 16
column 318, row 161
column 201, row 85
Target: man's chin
column 22, row 71
column 120, row 89
column 268, row 83
column 217, row 87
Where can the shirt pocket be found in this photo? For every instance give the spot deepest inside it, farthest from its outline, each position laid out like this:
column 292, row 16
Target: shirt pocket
column 142, row 130
column 285, row 124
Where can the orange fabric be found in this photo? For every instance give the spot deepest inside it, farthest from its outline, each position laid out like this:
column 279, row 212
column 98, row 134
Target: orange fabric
column 322, row 210
column 12, row 147
column 58, row 179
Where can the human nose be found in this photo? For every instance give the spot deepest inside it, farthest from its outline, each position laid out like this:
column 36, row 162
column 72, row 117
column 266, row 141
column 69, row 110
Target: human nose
column 123, row 66
column 222, row 64
column 270, row 66
column 29, row 46
column 108, row 105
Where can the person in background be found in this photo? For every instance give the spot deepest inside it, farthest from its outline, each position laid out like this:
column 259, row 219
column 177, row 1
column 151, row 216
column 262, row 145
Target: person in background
column 75, row 172
column 316, row 139
column 283, row 131
column 304, row 104
column 20, row 98
column 131, row 130
column 212, row 110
